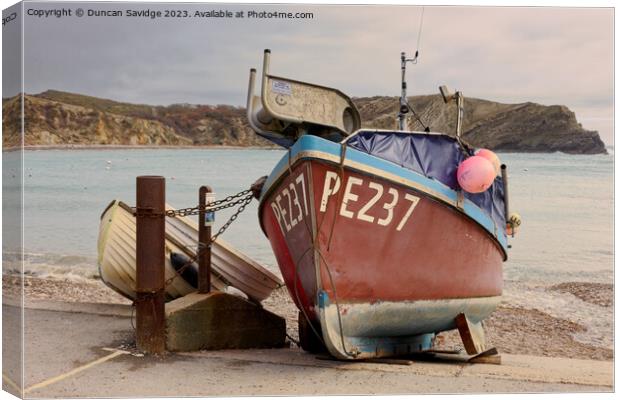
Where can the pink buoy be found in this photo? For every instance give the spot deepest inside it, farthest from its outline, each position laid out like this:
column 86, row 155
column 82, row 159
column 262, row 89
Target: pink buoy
column 492, row 157
column 475, row 174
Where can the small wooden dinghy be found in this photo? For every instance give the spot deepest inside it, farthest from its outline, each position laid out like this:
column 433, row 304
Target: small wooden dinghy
column 117, row 257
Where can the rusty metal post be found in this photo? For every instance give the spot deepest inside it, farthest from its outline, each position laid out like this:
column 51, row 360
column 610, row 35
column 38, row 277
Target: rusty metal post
column 204, row 239
column 150, row 262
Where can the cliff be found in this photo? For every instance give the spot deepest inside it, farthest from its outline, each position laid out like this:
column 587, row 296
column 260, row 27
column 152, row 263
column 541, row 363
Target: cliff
column 525, row 127
column 60, row 118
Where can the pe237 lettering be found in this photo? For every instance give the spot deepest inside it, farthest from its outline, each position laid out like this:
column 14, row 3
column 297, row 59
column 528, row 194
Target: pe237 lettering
column 290, row 205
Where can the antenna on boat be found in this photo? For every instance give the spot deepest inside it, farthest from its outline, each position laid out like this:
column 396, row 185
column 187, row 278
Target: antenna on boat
column 404, row 105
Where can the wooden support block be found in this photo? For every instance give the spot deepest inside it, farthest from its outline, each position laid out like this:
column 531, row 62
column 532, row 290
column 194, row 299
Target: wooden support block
column 490, row 356
column 472, row 334
column 496, row 359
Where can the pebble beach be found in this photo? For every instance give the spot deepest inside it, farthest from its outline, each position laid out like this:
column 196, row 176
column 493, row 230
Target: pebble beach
column 512, row 330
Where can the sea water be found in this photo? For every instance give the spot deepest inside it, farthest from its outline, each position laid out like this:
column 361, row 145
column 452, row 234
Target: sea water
column 565, row 201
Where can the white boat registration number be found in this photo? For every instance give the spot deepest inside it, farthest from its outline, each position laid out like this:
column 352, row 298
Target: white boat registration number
column 367, row 212
column 290, row 206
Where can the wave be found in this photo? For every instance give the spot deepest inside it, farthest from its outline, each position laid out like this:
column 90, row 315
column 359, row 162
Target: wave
column 51, row 266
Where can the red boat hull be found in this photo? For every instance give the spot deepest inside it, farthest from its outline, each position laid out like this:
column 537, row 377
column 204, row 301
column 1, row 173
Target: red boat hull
column 382, row 251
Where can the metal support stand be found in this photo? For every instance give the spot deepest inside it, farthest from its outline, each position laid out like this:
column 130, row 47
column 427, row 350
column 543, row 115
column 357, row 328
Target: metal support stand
column 150, row 259
column 204, row 239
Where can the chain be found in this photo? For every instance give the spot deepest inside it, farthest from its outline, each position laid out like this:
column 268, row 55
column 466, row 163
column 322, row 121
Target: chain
column 184, row 267
column 244, row 201
column 213, row 206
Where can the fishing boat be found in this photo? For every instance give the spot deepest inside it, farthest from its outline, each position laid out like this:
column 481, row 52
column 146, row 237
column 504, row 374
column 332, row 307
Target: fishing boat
column 379, row 246
column 230, row 268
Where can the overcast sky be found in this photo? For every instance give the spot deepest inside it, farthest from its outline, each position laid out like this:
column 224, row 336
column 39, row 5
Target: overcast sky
column 544, row 55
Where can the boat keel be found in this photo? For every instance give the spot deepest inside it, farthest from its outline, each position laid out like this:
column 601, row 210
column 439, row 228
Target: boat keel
column 390, row 329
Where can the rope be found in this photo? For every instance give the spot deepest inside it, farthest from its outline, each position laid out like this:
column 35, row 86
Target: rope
column 296, row 264
column 340, row 326
column 296, row 291
column 343, row 153
column 415, row 61
column 339, row 203
column 318, row 251
column 426, row 128
column 296, row 342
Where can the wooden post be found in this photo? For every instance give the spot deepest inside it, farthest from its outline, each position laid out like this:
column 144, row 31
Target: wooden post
column 204, row 239
column 472, row 334
column 150, row 262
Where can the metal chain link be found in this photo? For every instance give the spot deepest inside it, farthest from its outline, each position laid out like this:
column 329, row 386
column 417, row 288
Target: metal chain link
column 243, row 203
column 201, row 246
column 242, row 199
column 211, row 207
column 182, row 269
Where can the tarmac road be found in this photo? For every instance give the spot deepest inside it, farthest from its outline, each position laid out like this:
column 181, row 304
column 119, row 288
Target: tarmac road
column 72, row 350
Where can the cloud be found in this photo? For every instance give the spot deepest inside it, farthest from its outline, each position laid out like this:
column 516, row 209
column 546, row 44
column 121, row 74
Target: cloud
column 508, row 54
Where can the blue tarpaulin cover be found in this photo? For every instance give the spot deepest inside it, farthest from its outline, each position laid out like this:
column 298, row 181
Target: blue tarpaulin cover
column 434, row 156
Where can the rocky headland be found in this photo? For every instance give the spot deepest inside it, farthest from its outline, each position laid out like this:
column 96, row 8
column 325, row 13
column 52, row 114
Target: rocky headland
column 55, row 118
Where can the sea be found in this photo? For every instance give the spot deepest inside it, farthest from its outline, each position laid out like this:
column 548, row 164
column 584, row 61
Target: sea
column 565, row 201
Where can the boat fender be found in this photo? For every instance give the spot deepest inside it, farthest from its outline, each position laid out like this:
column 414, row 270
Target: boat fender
column 189, row 274
column 513, row 224
column 475, row 174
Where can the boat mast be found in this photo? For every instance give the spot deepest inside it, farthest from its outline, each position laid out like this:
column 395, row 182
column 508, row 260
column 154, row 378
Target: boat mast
column 404, row 104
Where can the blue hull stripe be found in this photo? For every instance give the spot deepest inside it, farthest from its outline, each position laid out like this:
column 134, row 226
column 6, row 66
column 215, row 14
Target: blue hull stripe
column 315, row 144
